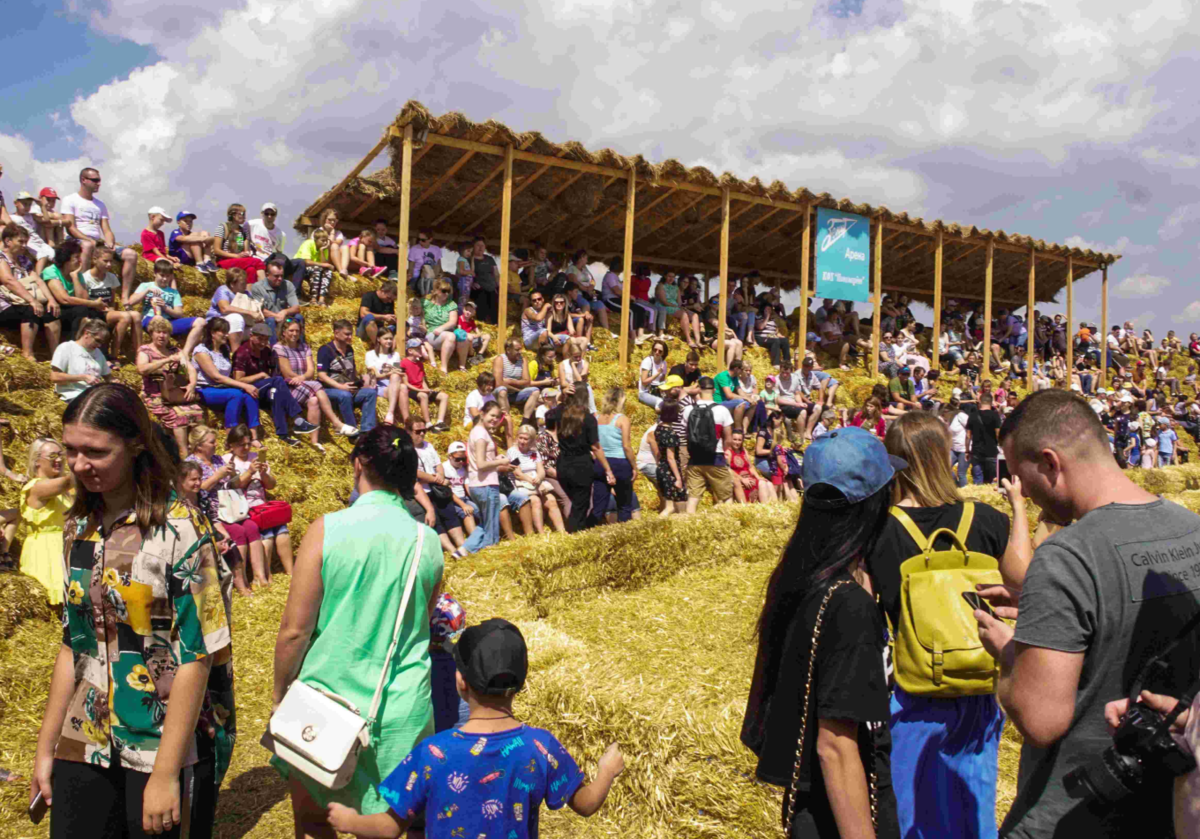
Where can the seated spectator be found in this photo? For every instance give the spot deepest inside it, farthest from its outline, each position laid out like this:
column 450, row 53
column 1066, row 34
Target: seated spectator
column 513, row 382
column 455, row 471
column 561, row 326
column 771, row 453
column 252, row 475
column 344, row 387
column 376, row 310
column 477, row 342
column 173, row 402
column 870, row 417
column 269, row 243
column 103, row 289
column 23, row 216
column 432, row 480
column 902, row 391
column 424, row 266
column 232, row 303
column 86, row 218
column 816, row 384
column 383, row 365
column 667, row 307
column 190, row 473
column 387, row 249
column 442, row 325
column 414, row 327
column 749, row 487
column 79, row 364
column 727, row 385
column 315, row 253
column 652, row 374
column 24, row 298
column 833, row 339
column 642, row 310
column 734, row 348
column 414, row 374
column 50, row 221
column 766, row 334
column 580, row 311
column 479, row 277
column 285, row 393
column 533, row 323
column 215, row 382
column 231, row 245
column 159, row 299
column 361, row 251
column 45, row 500
column 59, row 279
column 484, row 392
column 216, row 474
column 573, row 374
column 190, row 246
column 278, row 299
column 154, row 242
column 530, row 476
column 579, row 276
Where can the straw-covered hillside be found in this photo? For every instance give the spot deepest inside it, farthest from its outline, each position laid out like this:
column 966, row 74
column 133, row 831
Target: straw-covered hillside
column 640, row 633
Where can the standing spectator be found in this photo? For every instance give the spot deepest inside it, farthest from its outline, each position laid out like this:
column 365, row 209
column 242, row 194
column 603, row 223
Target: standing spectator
column 983, row 426
column 613, row 430
column 190, row 246
column 707, row 440
column 23, row 216
column 254, row 363
column 102, row 288
column 45, row 500
column 947, row 744
column 377, row 310
column 483, row 480
column 176, row 407
column 441, row 319
column 79, row 364
column 154, row 243
column 818, row 708
column 413, row 366
column 424, row 264
column 479, row 269
column 1166, row 442
column 278, row 299
column 144, row 553
column 59, row 279
column 669, row 475
column 652, row 374
column 160, row 299
column 344, row 387
column 1091, row 614
column 231, row 245
column 960, row 441
column 86, row 219
column 316, row 254
column 513, row 382
column 215, row 382
column 579, row 443
column 346, row 590
column 241, row 317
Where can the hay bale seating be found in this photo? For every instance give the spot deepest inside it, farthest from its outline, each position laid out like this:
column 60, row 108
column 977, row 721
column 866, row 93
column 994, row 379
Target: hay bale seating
column 640, row 632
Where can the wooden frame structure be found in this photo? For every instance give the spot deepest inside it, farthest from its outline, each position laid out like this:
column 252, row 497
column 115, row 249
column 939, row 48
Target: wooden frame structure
column 485, row 179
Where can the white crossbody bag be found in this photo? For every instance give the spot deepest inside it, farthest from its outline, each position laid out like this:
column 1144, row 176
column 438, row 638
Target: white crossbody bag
column 321, row 734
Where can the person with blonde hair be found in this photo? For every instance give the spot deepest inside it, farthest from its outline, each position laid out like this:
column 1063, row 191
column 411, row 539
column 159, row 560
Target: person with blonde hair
column 361, row 255
column 45, row 500
column 613, row 430
column 319, row 267
column 339, row 253
column 949, row 745
column 172, row 402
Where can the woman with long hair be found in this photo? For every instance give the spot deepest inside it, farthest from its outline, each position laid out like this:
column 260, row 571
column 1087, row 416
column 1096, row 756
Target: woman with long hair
column 870, row 417
column 60, row 278
column 483, row 479
column 817, row 713
column 254, row 479
column 749, row 486
column 348, row 583
column 573, row 375
column 118, row 745
column 613, row 430
column 231, row 246
column 578, row 445
column 216, row 385
column 950, row 745
column 297, row 367
column 45, row 500
column 669, row 477
column 772, row 445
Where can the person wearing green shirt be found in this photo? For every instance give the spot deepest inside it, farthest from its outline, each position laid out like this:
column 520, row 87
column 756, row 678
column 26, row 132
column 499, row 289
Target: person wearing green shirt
column 68, row 257
column 727, row 393
column 441, row 321
column 903, row 391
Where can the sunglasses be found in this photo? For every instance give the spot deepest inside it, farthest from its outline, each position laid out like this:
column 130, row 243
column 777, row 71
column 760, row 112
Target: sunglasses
column 459, row 459
column 418, row 431
column 93, row 180
column 269, row 212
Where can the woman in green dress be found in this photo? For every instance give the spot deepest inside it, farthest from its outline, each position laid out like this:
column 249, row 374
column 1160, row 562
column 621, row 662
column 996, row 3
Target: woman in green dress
column 347, row 584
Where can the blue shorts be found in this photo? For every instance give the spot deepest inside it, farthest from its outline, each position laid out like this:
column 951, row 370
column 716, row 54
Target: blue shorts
column 821, row 375
column 596, row 305
column 517, row 499
column 272, row 532
column 361, row 331
column 522, row 395
column 732, row 404
column 179, row 326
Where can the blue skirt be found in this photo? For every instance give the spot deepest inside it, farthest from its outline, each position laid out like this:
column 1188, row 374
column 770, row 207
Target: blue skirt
column 945, row 755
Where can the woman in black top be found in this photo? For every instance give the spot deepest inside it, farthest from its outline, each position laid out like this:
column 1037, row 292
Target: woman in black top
column 578, row 443
column 840, row 783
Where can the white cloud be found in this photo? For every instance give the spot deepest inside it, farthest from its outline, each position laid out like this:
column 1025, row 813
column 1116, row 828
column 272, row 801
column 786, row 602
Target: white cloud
column 1178, row 221
column 1122, row 246
column 1189, row 314
column 1170, row 159
column 1141, row 284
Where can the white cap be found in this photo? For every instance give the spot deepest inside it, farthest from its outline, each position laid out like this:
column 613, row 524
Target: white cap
column 156, row 210
column 957, row 392
column 268, row 206
column 456, row 447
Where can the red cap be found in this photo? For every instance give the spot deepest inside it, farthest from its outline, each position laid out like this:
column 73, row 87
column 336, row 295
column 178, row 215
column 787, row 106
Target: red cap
column 47, row 192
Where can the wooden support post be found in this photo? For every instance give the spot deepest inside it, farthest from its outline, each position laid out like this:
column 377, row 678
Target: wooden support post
column 801, row 343
column 934, row 349
column 1030, row 320
column 1070, row 319
column 627, row 265
column 505, row 222
column 723, row 287
column 1104, row 326
column 986, row 365
column 877, row 316
column 406, row 161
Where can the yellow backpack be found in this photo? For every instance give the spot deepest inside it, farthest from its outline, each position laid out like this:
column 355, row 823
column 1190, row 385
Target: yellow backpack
column 937, row 650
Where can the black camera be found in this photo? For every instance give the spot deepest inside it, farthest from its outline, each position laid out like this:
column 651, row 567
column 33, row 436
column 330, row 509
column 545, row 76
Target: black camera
column 1143, row 755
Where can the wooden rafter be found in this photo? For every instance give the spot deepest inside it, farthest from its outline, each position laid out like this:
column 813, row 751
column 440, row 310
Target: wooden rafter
column 672, row 217
column 967, row 252
column 615, row 208
column 607, row 183
column 656, row 202
column 447, row 175
column 722, row 225
column 756, row 222
column 797, row 217
column 495, row 173
column 543, row 204
column 679, row 233
column 525, row 184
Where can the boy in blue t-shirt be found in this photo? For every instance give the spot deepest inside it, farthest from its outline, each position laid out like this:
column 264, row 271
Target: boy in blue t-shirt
column 489, row 777
column 1166, row 442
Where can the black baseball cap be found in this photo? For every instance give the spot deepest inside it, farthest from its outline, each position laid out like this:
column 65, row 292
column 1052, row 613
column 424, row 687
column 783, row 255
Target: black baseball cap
column 492, row 658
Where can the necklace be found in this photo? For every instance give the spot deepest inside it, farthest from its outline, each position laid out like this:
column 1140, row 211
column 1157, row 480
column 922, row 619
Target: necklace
column 485, row 719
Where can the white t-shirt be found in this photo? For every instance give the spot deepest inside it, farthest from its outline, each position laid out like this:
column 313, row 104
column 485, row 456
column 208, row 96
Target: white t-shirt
column 375, row 360
column 105, row 289
column 36, row 243
column 428, row 461
column 659, row 371
column 71, row 358
column 958, row 432
column 87, row 212
column 721, row 418
column 475, row 399
column 1113, row 342
column 645, row 456
column 456, row 477
column 266, row 241
column 528, row 461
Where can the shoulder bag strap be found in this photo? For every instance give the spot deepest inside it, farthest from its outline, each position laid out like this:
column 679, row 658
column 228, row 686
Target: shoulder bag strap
column 968, row 518
column 408, row 589
column 911, row 527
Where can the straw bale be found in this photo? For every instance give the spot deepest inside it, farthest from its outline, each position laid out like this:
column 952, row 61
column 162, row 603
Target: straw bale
column 18, row 373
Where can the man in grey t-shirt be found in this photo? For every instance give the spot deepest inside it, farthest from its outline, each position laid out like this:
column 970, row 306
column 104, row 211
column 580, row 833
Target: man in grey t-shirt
column 1100, row 598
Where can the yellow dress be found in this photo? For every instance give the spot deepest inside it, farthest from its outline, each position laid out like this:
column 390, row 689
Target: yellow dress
column 42, row 551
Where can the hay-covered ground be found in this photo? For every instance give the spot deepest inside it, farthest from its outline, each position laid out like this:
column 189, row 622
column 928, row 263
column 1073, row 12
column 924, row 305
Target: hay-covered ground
column 639, row 633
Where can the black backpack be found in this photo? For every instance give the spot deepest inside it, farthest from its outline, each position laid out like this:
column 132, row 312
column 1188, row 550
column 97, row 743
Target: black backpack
column 701, row 432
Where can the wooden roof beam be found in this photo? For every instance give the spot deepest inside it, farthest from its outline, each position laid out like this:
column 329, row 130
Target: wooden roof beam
column 525, row 184
column 670, row 191
column 797, row 217
column 750, row 227
column 315, row 209
column 495, row 173
column 716, row 227
column 613, row 209
column 670, row 218
column 542, row 205
column 607, row 183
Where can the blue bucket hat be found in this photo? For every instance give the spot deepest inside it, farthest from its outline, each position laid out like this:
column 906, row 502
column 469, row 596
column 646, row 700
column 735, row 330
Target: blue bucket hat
column 851, row 460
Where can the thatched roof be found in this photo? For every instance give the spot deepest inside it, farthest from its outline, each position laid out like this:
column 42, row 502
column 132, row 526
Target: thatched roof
column 567, row 197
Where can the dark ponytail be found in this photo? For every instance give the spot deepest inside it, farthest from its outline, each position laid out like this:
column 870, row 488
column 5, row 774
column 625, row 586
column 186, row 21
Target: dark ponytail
column 388, row 457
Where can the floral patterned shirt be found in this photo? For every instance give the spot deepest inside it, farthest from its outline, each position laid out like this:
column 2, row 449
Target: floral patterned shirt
column 138, row 607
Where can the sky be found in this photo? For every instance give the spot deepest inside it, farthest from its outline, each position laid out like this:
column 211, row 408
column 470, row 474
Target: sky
column 1074, row 122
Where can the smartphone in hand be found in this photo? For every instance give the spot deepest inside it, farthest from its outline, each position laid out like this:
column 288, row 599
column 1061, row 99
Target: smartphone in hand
column 977, row 602
column 37, row 810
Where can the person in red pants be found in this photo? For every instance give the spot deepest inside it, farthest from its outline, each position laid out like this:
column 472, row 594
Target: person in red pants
column 231, row 245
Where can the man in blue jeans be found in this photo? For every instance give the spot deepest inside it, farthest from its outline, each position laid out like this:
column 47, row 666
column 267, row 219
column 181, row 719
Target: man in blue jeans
column 337, row 372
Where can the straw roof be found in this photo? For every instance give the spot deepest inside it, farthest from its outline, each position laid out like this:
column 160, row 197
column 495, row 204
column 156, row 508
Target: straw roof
column 566, row 197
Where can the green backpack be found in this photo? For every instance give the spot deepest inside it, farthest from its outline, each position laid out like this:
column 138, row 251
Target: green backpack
column 937, row 650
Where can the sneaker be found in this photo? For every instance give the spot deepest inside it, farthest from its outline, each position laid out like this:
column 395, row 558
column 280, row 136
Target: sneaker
column 208, row 267
column 348, row 431
column 303, row 426
column 289, row 440
column 591, row 347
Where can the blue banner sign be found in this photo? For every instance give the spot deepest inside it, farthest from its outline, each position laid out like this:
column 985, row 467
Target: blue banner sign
column 843, row 255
